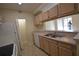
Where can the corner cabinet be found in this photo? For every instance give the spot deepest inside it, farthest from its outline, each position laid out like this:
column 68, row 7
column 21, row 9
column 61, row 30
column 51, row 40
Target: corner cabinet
column 66, row 9
column 57, row 48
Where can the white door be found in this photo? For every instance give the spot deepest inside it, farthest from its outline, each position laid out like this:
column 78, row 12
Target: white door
column 21, row 26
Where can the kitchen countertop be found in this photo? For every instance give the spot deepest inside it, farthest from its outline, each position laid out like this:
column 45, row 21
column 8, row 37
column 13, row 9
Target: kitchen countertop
column 64, row 39
column 76, row 37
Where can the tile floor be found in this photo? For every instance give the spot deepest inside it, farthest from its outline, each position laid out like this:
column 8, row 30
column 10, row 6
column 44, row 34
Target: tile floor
column 31, row 50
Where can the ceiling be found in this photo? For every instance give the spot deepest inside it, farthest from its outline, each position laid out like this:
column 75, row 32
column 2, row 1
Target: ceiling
column 28, row 7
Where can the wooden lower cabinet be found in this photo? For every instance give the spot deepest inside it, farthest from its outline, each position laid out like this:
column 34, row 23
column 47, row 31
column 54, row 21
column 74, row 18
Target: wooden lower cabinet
column 44, row 44
column 41, row 42
column 57, row 48
column 53, row 47
column 65, row 51
column 53, row 50
column 46, row 48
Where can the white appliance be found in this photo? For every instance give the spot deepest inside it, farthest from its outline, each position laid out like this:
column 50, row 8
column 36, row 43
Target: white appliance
column 36, row 39
column 14, row 50
column 76, row 36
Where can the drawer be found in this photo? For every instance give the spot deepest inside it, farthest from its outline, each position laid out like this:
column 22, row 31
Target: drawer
column 62, row 44
column 52, row 41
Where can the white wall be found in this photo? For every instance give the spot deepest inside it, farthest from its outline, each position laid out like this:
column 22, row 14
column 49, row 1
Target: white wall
column 50, row 25
column 7, row 30
column 75, row 22
column 45, row 7
column 48, row 6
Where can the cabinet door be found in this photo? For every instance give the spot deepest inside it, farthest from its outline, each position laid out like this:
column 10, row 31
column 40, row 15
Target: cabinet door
column 44, row 44
column 78, row 7
column 46, row 48
column 52, row 13
column 53, row 48
column 41, row 42
column 36, row 21
column 66, row 9
column 65, row 51
column 45, row 16
column 40, row 17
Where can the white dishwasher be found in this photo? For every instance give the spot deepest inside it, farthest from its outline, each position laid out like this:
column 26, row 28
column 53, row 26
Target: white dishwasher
column 36, row 39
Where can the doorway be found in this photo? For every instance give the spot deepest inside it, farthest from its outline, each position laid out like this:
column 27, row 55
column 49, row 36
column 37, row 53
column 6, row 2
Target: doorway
column 21, row 27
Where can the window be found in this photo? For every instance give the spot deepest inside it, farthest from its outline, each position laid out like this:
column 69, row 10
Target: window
column 65, row 24
column 59, row 24
column 50, row 25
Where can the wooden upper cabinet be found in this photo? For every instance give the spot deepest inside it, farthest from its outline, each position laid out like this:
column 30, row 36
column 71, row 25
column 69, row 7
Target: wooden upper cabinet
column 45, row 16
column 60, row 10
column 78, row 7
column 36, row 21
column 66, row 9
column 52, row 13
column 40, row 17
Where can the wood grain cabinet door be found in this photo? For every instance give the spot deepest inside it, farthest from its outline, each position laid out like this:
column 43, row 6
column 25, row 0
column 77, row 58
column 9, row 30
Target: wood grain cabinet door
column 40, row 17
column 44, row 44
column 53, row 48
column 41, row 42
column 52, row 13
column 65, row 51
column 66, row 9
column 46, row 48
column 45, row 16
column 36, row 21
column 78, row 7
